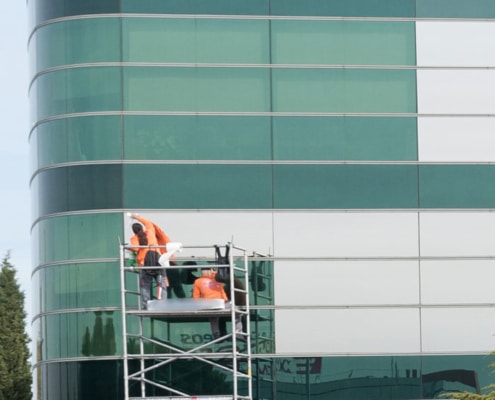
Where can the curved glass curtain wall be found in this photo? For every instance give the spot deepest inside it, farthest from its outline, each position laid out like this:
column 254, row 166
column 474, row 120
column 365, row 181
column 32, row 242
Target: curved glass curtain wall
column 98, row 88
column 44, row 10
column 250, row 186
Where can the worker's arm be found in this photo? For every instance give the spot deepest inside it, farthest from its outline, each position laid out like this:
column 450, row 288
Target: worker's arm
column 196, row 292
column 134, row 242
column 148, row 225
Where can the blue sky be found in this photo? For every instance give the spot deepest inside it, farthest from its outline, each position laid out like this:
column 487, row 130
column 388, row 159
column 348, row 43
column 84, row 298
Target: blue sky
column 14, row 158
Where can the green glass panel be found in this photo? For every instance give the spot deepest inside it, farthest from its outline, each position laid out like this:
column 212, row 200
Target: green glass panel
column 190, row 137
column 387, row 377
column 457, row 186
column 77, row 237
column 345, row 186
column 344, row 90
column 77, row 90
column 456, row 373
column 83, row 187
column 82, row 380
column 197, row 186
column 97, row 333
column 34, row 145
column 261, row 286
column 455, row 9
column 196, row 89
column 344, row 138
column 195, row 40
column 375, row 377
column 347, row 8
column 73, row 42
column 79, row 139
column 79, row 285
column 216, row 7
column 343, row 42
column 43, row 10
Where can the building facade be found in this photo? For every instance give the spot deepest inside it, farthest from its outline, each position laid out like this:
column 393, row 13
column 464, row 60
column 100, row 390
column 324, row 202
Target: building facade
column 353, row 141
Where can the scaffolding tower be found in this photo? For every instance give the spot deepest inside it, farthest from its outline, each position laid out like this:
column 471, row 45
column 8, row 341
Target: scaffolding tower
column 144, row 354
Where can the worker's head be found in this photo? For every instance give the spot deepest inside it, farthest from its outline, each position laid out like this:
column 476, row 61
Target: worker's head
column 206, row 270
column 136, row 228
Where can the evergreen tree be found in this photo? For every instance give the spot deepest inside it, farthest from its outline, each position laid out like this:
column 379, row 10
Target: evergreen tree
column 15, row 371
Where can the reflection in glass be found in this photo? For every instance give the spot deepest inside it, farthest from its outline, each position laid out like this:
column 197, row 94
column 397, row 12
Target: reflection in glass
column 60, row 241
column 79, row 286
column 196, row 40
column 78, row 139
column 198, row 186
column 314, row 378
column 77, row 90
column 77, row 188
column 81, row 334
column 343, row 42
column 162, row 137
column 457, row 186
column 345, row 138
column 73, row 42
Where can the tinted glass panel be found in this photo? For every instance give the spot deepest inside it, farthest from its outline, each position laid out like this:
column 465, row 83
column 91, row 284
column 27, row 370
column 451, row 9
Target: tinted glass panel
column 345, row 186
column 77, row 237
column 197, row 138
column 344, row 138
column 441, row 374
column 348, row 8
column 77, row 90
column 96, row 380
column 301, row 90
column 343, row 42
column 196, row 89
column 79, row 139
column 316, row 378
column 222, row 7
column 344, row 90
column 457, row 186
column 42, row 10
column 198, row 186
column 73, row 42
column 79, row 286
column 87, row 187
column 196, row 40
column 455, row 9
column 87, row 334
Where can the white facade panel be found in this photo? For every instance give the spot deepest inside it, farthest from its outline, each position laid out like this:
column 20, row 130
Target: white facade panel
column 457, row 282
column 455, row 43
column 458, row 329
column 249, row 230
column 456, row 91
column 340, row 234
column 468, row 139
column 338, row 283
column 362, row 331
column 462, row 234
